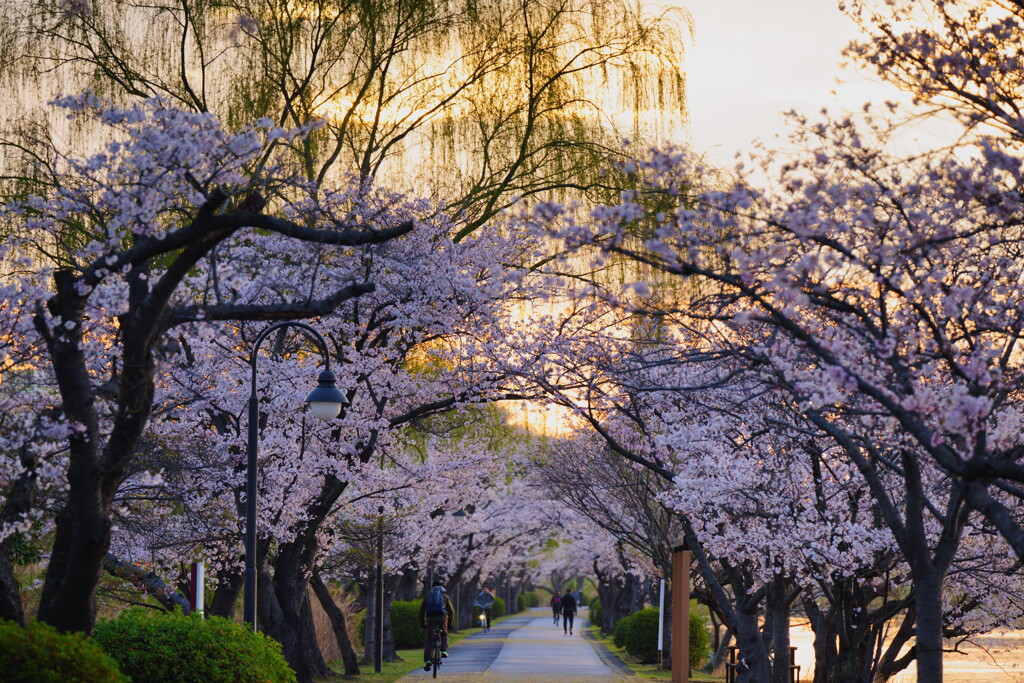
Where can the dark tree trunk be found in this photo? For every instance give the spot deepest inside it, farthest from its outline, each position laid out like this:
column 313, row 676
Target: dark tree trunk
column 777, row 605
column 928, row 606
column 21, row 495
column 369, row 620
column 10, row 591
column 825, row 653
column 721, row 650
column 81, row 541
column 338, row 625
column 891, row 663
column 407, row 587
column 225, row 596
column 147, row 582
column 928, row 567
column 284, row 611
column 756, row 667
column 390, row 586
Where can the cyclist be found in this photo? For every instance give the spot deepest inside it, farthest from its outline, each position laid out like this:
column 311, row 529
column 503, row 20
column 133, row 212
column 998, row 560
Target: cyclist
column 435, row 610
column 483, row 603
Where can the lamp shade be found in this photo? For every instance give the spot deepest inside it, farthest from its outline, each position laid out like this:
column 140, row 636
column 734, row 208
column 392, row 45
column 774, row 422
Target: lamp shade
column 327, row 399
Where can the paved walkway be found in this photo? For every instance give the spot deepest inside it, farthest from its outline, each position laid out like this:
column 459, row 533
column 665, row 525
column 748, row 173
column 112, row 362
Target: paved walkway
column 527, row 648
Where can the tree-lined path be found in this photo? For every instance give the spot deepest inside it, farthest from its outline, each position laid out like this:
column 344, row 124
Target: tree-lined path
column 524, row 648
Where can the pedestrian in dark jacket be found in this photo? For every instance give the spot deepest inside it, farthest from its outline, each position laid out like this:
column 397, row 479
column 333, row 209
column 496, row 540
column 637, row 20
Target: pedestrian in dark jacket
column 556, row 607
column 568, row 612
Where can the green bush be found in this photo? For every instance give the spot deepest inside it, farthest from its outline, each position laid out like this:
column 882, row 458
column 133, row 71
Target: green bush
column 38, row 653
column 497, row 609
column 700, row 641
column 641, row 639
column 164, row 647
column 521, row 602
column 405, row 624
column 596, row 614
column 359, row 628
column 622, row 627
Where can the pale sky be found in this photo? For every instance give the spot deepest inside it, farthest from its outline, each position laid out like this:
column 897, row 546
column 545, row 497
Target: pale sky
column 751, row 60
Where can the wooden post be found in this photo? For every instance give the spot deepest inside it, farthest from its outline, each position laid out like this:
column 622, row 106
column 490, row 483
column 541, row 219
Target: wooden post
column 681, row 614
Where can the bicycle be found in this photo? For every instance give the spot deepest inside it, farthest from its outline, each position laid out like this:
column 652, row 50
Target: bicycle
column 483, row 619
column 435, row 655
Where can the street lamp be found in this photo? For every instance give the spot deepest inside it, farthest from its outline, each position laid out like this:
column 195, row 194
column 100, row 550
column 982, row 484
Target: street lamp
column 378, row 597
column 461, row 515
column 325, row 402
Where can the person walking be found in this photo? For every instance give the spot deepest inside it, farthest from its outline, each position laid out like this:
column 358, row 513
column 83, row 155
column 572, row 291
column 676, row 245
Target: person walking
column 435, row 610
column 484, row 601
column 568, row 606
column 556, row 607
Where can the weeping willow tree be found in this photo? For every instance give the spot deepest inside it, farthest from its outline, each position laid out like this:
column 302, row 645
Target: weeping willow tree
column 474, row 102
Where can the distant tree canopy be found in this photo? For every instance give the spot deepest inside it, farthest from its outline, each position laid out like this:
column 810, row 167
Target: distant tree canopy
column 475, row 102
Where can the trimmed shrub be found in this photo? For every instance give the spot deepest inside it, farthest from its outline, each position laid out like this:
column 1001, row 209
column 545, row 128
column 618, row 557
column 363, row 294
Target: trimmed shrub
column 405, row 624
column 700, row 641
column 497, row 609
column 165, row 647
column 521, row 603
column 622, row 627
column 596, row 615
column 38, row 653
column 641, row 640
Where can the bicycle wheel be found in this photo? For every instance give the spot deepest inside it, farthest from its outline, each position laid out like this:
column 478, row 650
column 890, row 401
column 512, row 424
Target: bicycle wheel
column 437, row 653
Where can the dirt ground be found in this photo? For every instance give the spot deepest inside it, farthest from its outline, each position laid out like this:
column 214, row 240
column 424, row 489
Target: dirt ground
column 993, row 658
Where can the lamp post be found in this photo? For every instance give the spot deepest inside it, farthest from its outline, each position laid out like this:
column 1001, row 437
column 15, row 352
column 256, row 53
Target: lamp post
column 325, row 401
column 378, row 658
column 461, row 516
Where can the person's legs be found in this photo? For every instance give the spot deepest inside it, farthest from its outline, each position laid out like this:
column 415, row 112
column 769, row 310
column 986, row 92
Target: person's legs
column 571, row 615
column 444, row 637
column 428, row 646
column 487, row 611
column 565, row 622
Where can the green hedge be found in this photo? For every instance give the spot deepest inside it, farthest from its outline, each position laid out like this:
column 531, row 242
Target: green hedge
column 164, row 647
column 641, row 638
column 596, row 615
column 622, row 627
column 405, row 624
column 700, row 641
column 638, row 634
column 38, row 653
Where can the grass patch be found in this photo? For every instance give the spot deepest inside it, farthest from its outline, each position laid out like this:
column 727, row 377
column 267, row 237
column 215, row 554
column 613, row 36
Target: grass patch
column 409, row 661
column 642, row 670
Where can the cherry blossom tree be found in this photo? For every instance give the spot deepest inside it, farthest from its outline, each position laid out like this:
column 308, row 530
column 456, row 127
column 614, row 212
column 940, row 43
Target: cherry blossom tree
column 404, row 355
column 885, row 286
column 111, row 238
